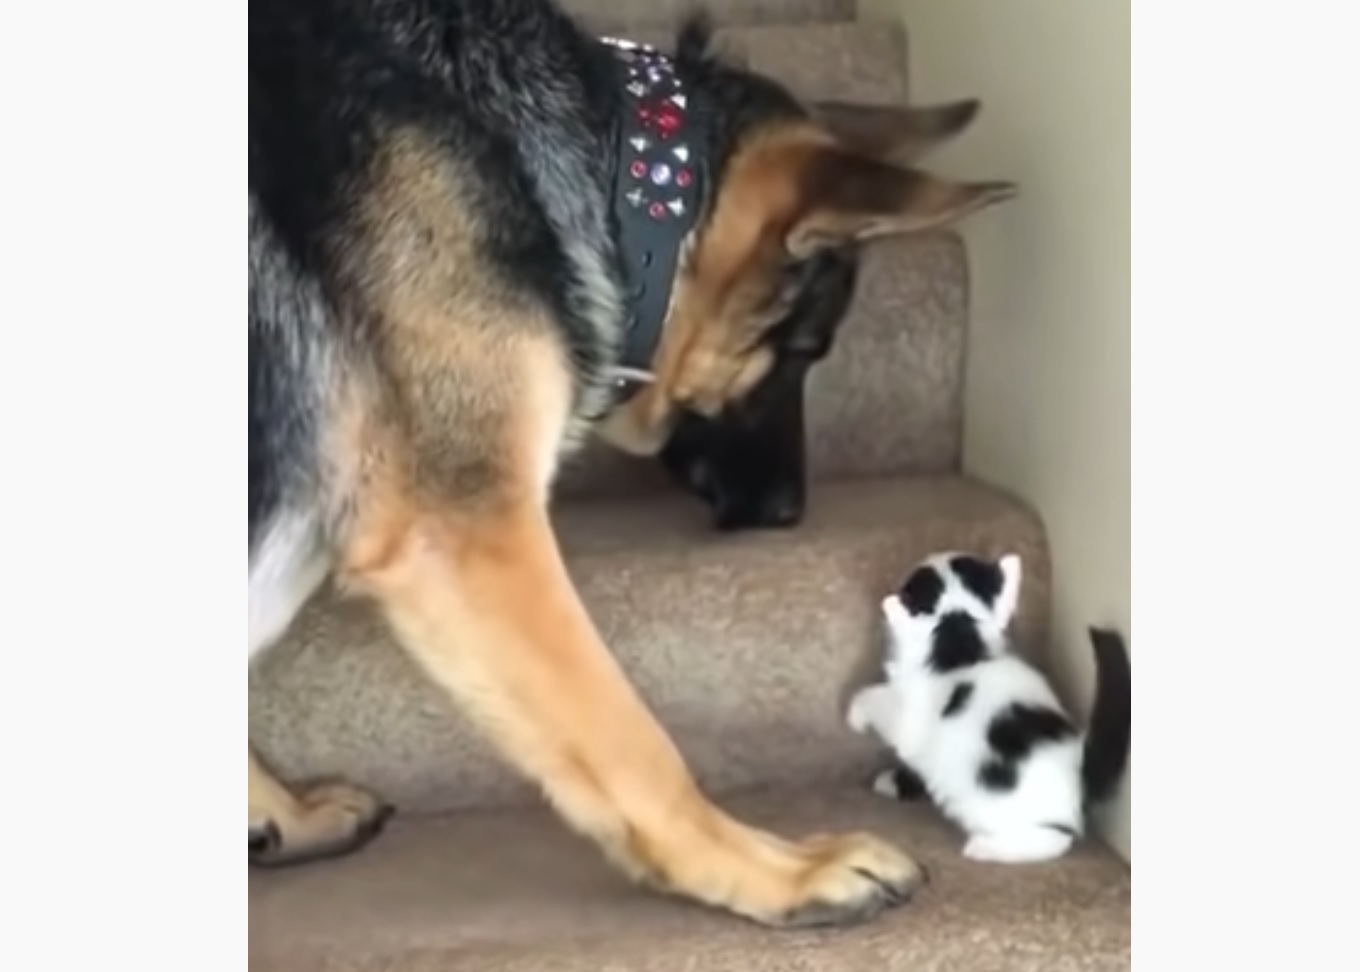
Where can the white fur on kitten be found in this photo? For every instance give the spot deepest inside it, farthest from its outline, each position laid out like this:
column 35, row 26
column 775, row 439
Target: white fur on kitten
column 948, row 745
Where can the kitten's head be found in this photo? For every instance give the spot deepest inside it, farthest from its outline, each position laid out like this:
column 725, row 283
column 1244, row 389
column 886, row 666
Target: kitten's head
column 954, row 609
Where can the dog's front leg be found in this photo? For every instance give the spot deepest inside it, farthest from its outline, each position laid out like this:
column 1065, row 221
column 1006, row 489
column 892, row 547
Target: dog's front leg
column 485, row 604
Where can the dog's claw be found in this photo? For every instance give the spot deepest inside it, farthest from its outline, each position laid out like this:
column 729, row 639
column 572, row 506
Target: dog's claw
column 335, row 819
column 264, row 839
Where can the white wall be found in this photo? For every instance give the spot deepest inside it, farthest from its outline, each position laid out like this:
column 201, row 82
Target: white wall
column 1047, row 411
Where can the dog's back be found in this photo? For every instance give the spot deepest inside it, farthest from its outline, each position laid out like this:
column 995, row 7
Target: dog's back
column 497, row 105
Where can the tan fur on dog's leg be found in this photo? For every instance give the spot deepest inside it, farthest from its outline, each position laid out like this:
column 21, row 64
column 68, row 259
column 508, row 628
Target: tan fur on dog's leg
column 485, row 604
column 324, row 820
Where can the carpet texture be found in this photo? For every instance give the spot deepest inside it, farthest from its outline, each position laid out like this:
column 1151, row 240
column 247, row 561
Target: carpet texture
column 507, row 892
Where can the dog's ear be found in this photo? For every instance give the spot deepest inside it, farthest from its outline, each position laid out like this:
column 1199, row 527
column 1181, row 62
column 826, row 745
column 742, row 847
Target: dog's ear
column 850, row 198
column 903, row 133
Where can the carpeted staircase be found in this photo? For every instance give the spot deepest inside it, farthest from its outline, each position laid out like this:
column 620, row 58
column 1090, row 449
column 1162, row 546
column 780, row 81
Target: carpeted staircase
column 745, row 646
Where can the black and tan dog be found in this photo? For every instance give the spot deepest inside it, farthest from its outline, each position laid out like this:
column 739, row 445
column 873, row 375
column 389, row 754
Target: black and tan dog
column 476, row 235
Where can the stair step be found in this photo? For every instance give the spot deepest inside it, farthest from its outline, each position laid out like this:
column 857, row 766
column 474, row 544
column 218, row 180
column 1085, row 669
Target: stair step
column 613, row 15
column 889, row 397
column 745, row 645
column 515, row 891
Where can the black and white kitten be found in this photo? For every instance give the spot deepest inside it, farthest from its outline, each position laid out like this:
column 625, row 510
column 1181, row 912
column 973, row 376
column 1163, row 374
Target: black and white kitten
column 980, row 730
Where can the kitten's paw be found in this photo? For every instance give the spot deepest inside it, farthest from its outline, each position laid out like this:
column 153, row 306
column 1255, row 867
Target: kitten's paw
column 980, row 848
column 1026, row 847
column 885, row 784
column 859, row 715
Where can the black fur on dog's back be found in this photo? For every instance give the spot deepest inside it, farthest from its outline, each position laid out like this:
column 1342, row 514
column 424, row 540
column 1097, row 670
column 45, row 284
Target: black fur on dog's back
column 524, row 103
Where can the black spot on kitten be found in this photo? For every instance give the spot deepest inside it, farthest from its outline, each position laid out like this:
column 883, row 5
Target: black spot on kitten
column 922, row 591
column 1062, row 829
column 982, row 578
column 998, row 776
column 958, row 699
column 957, row 643
column 907, row 785
column 1018, row 729
column 1015, row 732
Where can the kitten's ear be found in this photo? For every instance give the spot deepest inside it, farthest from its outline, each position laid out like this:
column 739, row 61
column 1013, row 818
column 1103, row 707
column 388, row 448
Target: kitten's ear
column 1009, row 598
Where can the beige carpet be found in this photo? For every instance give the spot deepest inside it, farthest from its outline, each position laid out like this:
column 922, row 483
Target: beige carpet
column 487, row 891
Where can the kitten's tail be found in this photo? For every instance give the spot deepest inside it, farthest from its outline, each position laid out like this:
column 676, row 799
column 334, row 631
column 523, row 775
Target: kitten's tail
column 1107, row 738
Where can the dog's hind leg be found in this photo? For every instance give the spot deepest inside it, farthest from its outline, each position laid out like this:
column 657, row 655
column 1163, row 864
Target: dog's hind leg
column 323, row 820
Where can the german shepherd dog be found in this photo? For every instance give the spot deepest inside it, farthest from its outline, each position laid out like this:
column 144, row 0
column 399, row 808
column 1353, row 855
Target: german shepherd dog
column 446, row 298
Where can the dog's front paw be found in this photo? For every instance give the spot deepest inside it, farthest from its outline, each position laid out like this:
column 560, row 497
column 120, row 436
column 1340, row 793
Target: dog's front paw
column 850, row 879
column 328, row 820
column 836, row 879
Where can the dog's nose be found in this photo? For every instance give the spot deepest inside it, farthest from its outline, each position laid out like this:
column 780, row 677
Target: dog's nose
column 782, row 508
column 775, row 510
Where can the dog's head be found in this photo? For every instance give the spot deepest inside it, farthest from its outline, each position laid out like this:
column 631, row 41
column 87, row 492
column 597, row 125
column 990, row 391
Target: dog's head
column 747, row 461
column 954, row 608
column 768, row 271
